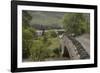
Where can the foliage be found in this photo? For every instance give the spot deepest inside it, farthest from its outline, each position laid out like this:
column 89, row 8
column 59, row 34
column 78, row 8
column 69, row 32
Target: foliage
column 44, row 47
column 57, row 52
column 51, row 34
column 26, row 17
column 27, row 40
column 75, row 23
column 39, row 50
column 27, row 34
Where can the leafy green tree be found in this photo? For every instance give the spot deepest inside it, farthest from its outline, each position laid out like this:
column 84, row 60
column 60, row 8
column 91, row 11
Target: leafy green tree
column 42, row 47
column 39, row 50
column 51, row 34
column 26, row 17
column 27, row 41
column 28, row 34
column 75, row 23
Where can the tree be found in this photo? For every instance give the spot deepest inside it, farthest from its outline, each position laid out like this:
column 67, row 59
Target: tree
column 28, row 34
column 39, row 50
column 26, row 17
column 51, row 34
column 75, row 23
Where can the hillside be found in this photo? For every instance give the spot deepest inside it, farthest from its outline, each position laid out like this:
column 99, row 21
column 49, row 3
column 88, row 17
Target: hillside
column 49, row 20
column 46, row 19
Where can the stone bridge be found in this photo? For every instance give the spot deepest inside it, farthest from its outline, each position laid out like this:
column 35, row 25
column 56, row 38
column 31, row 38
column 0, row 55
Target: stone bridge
column 72, row 49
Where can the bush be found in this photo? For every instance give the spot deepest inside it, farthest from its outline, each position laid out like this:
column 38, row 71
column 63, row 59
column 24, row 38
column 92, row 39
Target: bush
column 39, row 51
column 27, row 40
column 57, row 52
column 51, row 34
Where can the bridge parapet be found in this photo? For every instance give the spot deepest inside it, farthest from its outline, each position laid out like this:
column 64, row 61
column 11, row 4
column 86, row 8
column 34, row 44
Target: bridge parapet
column 71, row 48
